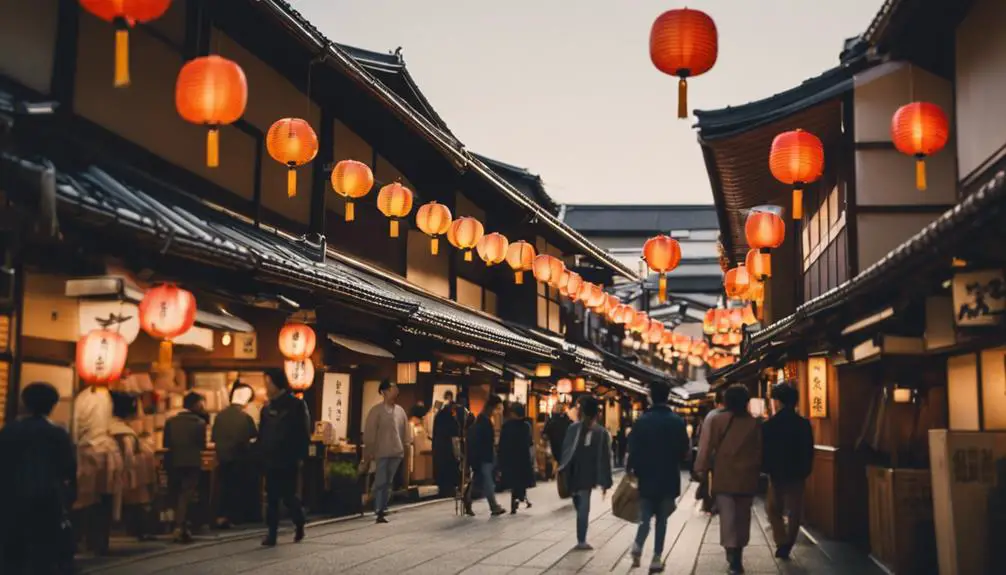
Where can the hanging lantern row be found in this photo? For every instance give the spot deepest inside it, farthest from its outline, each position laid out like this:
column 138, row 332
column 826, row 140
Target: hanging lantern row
column 492, row 248
column 684, row 43
column 297, row 341
column 299, row 374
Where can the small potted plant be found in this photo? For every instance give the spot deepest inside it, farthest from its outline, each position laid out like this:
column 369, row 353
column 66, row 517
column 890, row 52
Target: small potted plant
column 343, row 494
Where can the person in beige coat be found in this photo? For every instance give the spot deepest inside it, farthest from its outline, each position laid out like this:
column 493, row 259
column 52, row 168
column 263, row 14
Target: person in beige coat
column 731, row 447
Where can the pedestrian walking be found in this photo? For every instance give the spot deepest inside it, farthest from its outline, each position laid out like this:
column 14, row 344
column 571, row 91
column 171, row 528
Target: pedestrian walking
column 446, row 430
column 555, row 430
column 658, row 446
column 233, row 431
column 284, row 438
column 185, row 440
column 586, row 461
column 789, row 457
column 516, row 450
column 37, row 489
column 731, row 447
column 702, row 490
column 386, row 436
column 482, row 456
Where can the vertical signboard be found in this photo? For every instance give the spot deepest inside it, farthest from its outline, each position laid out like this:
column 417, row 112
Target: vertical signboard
column 817, row 387
column 335, row 403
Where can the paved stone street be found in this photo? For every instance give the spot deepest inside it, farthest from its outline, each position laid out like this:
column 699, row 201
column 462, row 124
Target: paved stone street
column 430, row 539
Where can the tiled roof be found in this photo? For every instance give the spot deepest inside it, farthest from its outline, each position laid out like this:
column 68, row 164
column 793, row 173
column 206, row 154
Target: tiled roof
column 639, row 219
column 524, row 181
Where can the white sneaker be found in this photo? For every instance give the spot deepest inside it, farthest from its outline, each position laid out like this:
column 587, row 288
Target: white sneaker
column 657, row 565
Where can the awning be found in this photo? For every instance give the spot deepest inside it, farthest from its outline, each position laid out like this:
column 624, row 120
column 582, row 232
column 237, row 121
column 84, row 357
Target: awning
column 360, row 346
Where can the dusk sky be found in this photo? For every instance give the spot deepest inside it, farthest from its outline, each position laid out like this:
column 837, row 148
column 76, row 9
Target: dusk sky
column 567, row 90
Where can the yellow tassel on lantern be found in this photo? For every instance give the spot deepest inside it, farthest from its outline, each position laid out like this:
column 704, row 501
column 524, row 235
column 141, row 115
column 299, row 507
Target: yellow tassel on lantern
column 350, row 212
column 394, row 228
column 920, row 174
column 468, row 256
column 518, row 278
column 682, row 98
column 662, row 283
column 797, row 204
column 291, row 183
column 434, row 246
column 122, row 56
column 164, row 357
column 213, row 148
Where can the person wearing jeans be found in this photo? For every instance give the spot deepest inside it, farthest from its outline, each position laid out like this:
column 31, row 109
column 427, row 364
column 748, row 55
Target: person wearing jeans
column 586, row 461
column 657, row 447
column 788, row 460
column 385, row 439
column 482, row 456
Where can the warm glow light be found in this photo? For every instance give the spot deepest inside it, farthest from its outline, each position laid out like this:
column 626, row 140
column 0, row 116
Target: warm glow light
column 759, row 264
column 548, row 269
column 425, row 367
column 764, row 230
column 543, row 370
column 684, row 43
column 297, row 341
column 352, row 180
column 293, row 143
column 124, row 14
column 166, row 312
column 736, row 282
column 797, row 159
column 464, row 234
column 211, row 91
column 101, row 357
column 564, row 386
column 920, row 129
column 492, row 248
column 574, row 286
column 662, row 254
column 300, row 374
column 520, row 258
column 395, row 202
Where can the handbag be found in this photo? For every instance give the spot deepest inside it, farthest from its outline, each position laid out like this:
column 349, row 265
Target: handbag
column 625, row 500
column 562, row 476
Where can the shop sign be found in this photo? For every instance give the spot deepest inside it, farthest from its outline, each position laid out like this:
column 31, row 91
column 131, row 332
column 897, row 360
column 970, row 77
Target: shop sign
column 817, row 384
column 520, row 391
column 335, row 403
column 246, row 345
column 118, row 316
column 979, row 298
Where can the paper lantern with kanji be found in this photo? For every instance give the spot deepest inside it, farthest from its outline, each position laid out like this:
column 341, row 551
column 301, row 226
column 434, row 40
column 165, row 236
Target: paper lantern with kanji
column 167, row 312
column 548, row 269
column 297, row 341
column 434, row 220
column 124, row 14
column 764, row 230
column 736, row 282
column 520, row 258
column 293, row 143
column 299, row 374
column 492, row 248
column 796, row 159
column 465, row 234
column 759, row 265
column 352, row 180
column 920, row 129
column 684, row 43
column 101, row 357
column 662, row 254
column 395, row 202
column 211, row 91
column 564, row 386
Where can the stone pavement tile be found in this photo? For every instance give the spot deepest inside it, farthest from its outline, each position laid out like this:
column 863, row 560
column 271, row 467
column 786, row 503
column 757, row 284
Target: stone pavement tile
column 526, row 571
column 710, row 548
column 487, row 570
column 552, row 554
column 681, row 558
column 517, row 554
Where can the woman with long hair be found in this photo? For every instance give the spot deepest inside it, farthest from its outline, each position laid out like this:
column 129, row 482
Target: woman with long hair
column 731, row 447
column 586, row 461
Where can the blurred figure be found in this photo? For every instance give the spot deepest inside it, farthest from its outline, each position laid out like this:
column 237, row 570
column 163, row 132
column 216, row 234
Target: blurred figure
column 789, row 458
column 37, row 489
column 233, row 431
column 185, row 440
column 386, row 436
column 731, row 447
column 555, row 431
column 482, row 456
column 516, row 450
column 446, row 429
column 134, row 498
column 284, row 438
column 586, row 459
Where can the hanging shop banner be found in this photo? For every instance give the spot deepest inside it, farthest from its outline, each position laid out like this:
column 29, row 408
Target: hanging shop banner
column 520, row 391
column 246, row 345
column 817, row 385
column 979, row 298
column 335, row 403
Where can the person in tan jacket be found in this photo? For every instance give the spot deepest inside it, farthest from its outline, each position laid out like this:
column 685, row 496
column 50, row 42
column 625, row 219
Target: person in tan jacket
column 731, row 447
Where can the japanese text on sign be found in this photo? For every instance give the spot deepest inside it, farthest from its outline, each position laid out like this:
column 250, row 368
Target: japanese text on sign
column 335, row 403
column 979, row 297
column 817, row 384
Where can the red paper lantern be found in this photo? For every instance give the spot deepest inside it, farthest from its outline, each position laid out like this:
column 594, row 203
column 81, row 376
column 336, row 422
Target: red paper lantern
column 124, row 14
column 352, row 180
column 101, row 357
column 434, row 220
column 596, row 297
column 621, row 314
column 654, row 332
column 492, row 248
column 211, row 91
column 640, row 321
column 759, row 265
column 293, row 143
column 520, row 258
column 299, row 374
column 297, row 341
column 920, row 129
column 796, row 159
column 764, row 230
column 395, row 202
column 574, row 286
column 684, row 43
column 662, row 254
column 166, row 312
column 736, row 282
column 548, row 269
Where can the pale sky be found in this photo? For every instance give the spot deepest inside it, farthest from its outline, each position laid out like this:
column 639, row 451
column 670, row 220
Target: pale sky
column 566, row 88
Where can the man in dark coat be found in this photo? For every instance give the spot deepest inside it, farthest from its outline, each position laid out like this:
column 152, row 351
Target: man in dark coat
column 482, row 456
column 658, row 445
column 555, row 431
column 233, row 430
column 185, row 440
column 37, row 488
column 516, row 466
column 445, row 430
column 284, row 437
column 788, row 458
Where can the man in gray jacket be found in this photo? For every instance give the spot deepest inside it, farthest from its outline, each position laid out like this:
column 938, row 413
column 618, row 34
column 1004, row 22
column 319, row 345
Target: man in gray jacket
column 386, row 436
column 586, row 463
column 185, row 440
column 233, row 430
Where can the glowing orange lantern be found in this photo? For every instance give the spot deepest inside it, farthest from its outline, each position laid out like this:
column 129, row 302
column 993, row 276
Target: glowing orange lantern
column 759, row 265
column 662, row 254
column 124, row 14
column 748, row 316
column 101, row 357
column 211, row 91
column 297, row 341
column 293, row 143
column 737, row 281
column 395, row 202
column 709, row 322
column 653, row 332
column 352, row 180
column 299, row 374
column 639, row 322
column 548, row 269
column 621, row 314
column 796, row 159
column 563, row 282
column 684, row 43
column 492, row 248
column 574, row 285
column 520, row 258
column 434, row 220
column 610, row 304
column 167, row 312
column 564, row 386
column 764, row 230
column 465, row 234
column 920, row 129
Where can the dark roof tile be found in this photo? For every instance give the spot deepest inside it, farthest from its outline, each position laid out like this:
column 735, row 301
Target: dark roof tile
column 642, row 219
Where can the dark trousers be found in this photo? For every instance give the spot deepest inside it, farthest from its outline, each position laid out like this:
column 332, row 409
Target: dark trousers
column 185, row 487
column 233, row 489
column 281, row 484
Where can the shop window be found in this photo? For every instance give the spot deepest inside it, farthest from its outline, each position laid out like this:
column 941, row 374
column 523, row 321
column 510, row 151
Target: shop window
column 549, row 315
column 822, row 227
